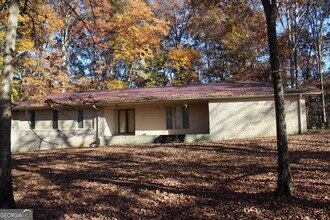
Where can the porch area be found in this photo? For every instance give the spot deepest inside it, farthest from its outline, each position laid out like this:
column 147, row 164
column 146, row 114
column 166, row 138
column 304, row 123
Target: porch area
column 155, row 122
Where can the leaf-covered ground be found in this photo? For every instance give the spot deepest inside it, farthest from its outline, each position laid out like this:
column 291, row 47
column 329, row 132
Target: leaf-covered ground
column 225, row 180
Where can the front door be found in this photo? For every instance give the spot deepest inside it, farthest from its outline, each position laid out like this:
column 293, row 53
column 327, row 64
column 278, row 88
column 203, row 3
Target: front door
column 126, row 121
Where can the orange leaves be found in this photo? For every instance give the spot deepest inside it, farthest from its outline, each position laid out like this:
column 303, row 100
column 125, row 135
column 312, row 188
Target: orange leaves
column 184, row 61
column 137, row 32
column 182, row 58
column 234, row 35
column 37, row 26
column 97, row 18
column 136, row 36
column 25, row 45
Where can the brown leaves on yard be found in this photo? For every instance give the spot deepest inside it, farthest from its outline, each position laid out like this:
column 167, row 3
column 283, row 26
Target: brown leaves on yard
column 224, row 180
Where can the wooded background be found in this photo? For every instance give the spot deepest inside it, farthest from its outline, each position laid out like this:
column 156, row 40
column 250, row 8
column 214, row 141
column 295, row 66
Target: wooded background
column 81, row 45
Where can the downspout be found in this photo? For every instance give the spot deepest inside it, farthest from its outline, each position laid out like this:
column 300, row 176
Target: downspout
column 323, row 103
column 300, row 113
column 97, row 140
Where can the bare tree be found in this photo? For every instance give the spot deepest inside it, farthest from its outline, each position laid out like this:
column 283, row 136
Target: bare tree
column 284, row 179
column 317, row 24
column 293, row 20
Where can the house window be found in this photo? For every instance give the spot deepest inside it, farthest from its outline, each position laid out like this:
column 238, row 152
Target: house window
column 32, row 120
column 126, row 121
column 15, row 115
column 169, row 118
column 177, row 116
column 185, row 117
column 80, row 119
column 55, row 119
column 15, row 118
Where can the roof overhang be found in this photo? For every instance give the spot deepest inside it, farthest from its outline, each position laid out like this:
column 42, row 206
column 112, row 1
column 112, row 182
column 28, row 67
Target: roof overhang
column 150, row 101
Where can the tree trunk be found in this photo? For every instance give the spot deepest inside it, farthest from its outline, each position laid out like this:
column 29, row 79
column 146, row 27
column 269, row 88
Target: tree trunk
column 319, row 43
column 319, row 70
column 284, row 182
column 291, row 60
column 291, row 43
column 6, row 188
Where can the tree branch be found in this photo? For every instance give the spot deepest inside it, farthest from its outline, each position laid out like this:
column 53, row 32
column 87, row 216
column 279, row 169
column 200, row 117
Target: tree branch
column 4, row 4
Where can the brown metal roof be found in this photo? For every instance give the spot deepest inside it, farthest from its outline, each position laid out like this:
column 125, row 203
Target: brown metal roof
column 213, row 90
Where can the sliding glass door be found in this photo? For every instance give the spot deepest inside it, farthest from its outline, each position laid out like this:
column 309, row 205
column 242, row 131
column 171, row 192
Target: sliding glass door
column 126, row 121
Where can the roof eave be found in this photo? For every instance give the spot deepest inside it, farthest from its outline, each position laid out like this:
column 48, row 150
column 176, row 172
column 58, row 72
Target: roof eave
column 141, row 101
column 304, row 95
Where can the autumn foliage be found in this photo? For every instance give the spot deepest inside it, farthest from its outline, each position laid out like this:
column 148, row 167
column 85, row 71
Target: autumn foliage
column 89, row 44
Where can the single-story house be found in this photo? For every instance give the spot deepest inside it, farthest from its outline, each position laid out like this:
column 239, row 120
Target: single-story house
column 207, row 112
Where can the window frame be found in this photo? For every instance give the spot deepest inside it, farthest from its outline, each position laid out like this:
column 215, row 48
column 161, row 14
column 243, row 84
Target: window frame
column 80, row 118
column 15, row 115
column 177, row 117
column 127, row 121
column 32, row 120
column 185, row 117
column 55, row 119
column 169, row 117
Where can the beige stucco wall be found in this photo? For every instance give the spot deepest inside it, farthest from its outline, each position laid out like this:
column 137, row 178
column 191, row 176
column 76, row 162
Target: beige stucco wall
column 45, row 137
column 213, row 120
column 110, row 121
column 302, row 115
column 150, row 122
column 67, row 119
column 296, row 115
column 151, row 119
column 253, row 117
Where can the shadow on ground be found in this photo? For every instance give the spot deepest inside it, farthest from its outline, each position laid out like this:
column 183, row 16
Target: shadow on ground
column 231, row 179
